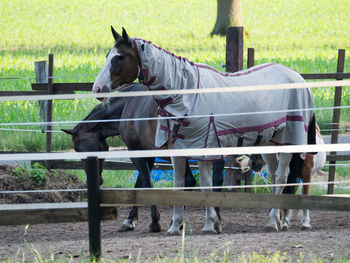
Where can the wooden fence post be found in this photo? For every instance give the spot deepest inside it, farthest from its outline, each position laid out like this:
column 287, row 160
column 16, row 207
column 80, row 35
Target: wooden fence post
column 234, row 49
column 250, row 58
column 234, row 62
column 336, row 118
column 49, row 108
column 41, row 77
column 94, row 212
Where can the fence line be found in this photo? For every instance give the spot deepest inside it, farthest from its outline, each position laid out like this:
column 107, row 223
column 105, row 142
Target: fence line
column 172, row 117
column 305, row 75
column 302, row 85
column 179, row 152
column 225, row 187
column 236, row 60
column 59, row 131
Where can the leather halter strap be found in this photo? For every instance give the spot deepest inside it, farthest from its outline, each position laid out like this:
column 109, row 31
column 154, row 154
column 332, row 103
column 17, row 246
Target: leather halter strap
column 139, row 75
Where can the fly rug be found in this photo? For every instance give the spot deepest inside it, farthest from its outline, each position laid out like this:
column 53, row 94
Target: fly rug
column 206, row 120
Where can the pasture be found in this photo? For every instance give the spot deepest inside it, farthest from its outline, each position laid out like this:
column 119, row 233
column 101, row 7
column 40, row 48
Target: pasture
column 304, row 35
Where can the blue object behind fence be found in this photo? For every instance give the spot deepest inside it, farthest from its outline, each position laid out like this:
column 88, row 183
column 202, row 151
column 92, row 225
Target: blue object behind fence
column 167, row 175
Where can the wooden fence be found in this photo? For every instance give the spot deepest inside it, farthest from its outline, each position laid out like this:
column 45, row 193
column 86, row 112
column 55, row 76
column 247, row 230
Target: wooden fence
column 234, row 61
column 102, row 205
column 58, row 88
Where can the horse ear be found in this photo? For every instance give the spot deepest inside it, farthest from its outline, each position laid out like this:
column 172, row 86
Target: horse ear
column 115, row 34
column 71, row 132
column 126, row 37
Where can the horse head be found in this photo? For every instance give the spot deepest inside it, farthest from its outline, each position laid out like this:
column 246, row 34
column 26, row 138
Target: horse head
column 121, row 66
column 85, row 140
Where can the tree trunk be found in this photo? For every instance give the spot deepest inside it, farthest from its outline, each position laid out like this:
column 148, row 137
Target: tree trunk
column 229, row 13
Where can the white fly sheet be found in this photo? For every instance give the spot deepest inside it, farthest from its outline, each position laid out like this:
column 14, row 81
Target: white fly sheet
column 228, row 119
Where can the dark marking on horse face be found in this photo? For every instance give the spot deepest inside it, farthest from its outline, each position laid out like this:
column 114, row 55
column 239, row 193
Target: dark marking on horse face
column 89, row 142
column 117, row 63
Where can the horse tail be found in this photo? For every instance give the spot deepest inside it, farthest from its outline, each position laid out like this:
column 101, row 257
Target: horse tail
column 311, row 133
column 295, row 168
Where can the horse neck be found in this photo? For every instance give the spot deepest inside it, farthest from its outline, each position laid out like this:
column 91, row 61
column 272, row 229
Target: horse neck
column 153, row 59
column 111, row 109
column 114, row 107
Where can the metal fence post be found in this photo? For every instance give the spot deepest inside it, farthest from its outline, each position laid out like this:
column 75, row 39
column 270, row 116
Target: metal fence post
column 94, row 211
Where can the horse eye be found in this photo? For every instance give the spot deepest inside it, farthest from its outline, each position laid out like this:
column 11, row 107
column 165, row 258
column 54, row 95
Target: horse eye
column 117, row 64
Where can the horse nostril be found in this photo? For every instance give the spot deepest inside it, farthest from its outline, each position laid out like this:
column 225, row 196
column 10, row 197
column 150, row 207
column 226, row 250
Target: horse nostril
column 105, row 89
column 96, row 89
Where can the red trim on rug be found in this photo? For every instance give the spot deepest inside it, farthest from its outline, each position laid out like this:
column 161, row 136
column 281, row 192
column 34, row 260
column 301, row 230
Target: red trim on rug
column 261, row 128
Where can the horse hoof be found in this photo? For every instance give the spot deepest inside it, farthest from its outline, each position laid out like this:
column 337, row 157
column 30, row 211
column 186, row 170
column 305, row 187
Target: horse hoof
column 208, row 231
column 173, row 233
column 154, row 228
column 269, row 228
column 217, row 227
column 305, row 227
column 125, row 228
column 285, row 228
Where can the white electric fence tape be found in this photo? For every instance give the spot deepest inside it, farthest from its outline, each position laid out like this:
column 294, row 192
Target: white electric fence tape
column 61, row 123
column 179, row 152
column 183, row 91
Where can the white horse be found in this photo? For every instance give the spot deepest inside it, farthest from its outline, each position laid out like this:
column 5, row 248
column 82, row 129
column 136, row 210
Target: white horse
column 271, row 117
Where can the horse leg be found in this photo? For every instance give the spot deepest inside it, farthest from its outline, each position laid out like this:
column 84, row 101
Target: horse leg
column 306, row 175
column 190, row 180
column 279, row 177
column 212, row 222
column 295, row 167
column 143, row 165
column 128, row 223
column 218, row 179
column 154, row 226
column 179, row 165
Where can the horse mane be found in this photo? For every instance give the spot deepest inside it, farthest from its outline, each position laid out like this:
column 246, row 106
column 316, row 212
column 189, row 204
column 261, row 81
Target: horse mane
column 120, row 42
column 104, row 110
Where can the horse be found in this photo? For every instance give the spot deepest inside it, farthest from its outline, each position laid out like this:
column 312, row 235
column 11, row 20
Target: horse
column 299, row 168
column 219, row 120
column 255, row 162
column 137, row 135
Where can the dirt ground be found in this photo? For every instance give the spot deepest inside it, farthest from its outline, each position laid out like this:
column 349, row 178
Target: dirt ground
column 328, row 239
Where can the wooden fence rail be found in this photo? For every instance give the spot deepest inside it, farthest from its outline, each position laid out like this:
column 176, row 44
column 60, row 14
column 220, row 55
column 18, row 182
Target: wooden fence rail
column 44, row 213
column 233, row 200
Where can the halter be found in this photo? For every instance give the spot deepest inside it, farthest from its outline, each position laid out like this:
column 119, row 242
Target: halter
column 140, row 72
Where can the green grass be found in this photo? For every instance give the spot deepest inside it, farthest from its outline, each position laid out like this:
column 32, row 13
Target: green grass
column 222, row 254
column 304, row 35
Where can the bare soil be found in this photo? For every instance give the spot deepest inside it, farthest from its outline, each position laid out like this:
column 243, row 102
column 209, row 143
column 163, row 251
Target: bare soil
column 328, row 239
column 9, row 181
